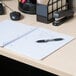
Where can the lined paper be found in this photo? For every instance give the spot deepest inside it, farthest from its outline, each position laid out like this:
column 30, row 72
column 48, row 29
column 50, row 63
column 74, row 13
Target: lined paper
column 10, row 30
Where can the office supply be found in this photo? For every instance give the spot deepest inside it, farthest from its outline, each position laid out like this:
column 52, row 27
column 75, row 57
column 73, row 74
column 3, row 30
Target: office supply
column 45, row 11
column 23, row 1
column 27, row 45
column 62, row 16
column 48, row 40
column 15, row 15
column 27, row 6
column 2, row 11
column 10, row 31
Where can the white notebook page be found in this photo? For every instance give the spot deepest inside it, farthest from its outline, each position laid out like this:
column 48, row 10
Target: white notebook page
column 10, row 30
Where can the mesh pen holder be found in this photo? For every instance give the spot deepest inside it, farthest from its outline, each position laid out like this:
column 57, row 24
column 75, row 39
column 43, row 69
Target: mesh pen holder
column 27, row 7
column 45, row 12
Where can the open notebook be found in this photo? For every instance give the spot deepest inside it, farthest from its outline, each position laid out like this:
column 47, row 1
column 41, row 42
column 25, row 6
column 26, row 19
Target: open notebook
column 10, row 31
column 26, row 43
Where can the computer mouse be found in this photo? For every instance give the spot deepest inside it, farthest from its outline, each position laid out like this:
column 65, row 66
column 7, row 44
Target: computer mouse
column 15, row 15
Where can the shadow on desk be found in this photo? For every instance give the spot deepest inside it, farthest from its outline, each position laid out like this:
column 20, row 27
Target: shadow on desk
column 11, row 67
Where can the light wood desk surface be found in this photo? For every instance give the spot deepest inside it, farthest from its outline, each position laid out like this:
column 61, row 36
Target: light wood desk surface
column 63, row 61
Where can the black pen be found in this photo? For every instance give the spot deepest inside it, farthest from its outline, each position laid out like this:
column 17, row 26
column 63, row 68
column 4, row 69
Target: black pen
column 48, row 40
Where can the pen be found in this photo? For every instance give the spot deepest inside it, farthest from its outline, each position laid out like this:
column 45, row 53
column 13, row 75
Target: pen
column 23, row 1
column 48, row 40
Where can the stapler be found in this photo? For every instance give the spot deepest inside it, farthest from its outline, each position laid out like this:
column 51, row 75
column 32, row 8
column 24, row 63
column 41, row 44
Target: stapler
column 62, row 16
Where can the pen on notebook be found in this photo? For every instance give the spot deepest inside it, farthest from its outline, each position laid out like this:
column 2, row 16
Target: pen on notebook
column 48, row 40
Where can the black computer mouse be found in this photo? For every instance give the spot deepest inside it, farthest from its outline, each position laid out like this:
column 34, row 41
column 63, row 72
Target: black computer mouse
column 15, row 15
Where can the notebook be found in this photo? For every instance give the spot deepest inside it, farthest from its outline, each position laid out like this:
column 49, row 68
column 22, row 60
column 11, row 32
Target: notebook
column 22, row 39
column 10, row 31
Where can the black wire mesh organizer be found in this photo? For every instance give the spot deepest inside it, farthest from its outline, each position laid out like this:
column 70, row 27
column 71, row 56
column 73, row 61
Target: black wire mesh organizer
column 54, row 10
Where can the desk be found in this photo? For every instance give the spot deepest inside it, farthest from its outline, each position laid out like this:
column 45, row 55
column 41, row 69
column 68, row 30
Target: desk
column 63, row 61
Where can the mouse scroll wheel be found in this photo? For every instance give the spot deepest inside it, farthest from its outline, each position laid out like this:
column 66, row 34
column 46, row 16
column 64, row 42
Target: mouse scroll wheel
column 17, row 14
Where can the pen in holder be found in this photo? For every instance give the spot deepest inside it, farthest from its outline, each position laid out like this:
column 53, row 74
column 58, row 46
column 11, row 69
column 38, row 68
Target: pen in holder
column 27, row 6
column 46, row 10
